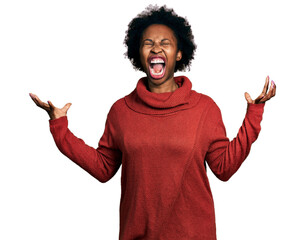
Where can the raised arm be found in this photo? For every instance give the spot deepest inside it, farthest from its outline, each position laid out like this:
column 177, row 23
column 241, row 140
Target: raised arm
column 225, row 157
column 102, row 163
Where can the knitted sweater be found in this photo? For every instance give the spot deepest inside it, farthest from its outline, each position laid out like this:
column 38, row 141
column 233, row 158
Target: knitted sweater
column 162, row 141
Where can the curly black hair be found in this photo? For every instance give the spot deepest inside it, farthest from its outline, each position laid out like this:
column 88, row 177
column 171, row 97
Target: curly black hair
column 166, row 16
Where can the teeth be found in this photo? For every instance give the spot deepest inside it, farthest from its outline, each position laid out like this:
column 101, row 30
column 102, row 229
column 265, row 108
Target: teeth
column 157, row 60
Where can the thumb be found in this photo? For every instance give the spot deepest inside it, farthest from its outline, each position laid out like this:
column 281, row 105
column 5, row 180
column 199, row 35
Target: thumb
column 66, row 107
column 248, row 97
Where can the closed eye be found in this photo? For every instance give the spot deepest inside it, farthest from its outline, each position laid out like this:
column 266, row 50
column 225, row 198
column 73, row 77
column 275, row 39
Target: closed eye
column 148, row 42
column 165, row 42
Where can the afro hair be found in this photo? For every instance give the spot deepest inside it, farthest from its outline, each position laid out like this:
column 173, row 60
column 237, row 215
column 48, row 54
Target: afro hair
column 160, row 15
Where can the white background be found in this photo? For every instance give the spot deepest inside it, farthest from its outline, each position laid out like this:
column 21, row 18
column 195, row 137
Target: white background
column 72, row 51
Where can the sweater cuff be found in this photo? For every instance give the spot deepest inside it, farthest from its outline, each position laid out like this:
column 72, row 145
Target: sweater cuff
column 256, row 109
column 58, row 125
column 58, row 121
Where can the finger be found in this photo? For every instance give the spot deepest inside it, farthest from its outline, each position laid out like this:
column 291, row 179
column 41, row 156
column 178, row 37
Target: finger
column 259, row 99
column 268, row 96
column 264, row 99
column 263, row 95
column 66, row 107
column 266, row 86
column 271, row 92
column 273, row 88
column 248, row 97
column 51, row 105
column 39, row 103
column 34, row 97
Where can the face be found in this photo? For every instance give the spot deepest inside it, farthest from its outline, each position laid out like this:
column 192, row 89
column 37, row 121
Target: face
column 159, row 53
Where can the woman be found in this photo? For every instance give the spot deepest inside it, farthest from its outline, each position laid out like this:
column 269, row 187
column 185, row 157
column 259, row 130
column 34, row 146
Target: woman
column 162, row 134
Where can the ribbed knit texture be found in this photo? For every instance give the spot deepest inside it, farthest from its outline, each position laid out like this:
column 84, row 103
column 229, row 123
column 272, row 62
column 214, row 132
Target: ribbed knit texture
column 162, row 141
column 151, row 103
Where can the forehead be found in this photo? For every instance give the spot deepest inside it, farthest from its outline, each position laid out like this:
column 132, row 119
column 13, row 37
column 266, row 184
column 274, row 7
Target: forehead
column 158, row 31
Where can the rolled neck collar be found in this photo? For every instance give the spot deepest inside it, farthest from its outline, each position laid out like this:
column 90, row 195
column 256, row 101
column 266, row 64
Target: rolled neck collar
column 143, row 101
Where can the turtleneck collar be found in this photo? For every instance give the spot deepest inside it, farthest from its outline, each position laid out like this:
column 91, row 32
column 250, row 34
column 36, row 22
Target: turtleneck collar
column 143, row 101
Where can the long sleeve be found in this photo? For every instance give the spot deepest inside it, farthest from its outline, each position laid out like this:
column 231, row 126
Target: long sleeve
column 102, row 163
column 224, row 157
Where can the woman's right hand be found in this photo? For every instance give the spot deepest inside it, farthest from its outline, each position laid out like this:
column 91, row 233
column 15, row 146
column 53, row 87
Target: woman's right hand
column 53, row 111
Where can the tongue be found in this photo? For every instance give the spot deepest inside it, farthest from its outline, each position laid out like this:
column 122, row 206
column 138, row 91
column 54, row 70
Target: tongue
column 157, row 67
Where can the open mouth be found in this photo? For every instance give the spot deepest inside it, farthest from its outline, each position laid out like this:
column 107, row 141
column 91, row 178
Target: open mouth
column 157, row 67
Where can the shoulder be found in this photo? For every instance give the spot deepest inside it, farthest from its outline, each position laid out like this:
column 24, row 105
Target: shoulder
column 207, row 101
column 210, row 110
column 117, row 107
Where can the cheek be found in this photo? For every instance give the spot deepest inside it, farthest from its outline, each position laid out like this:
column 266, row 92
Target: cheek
column 173, row 56
column 143, row 57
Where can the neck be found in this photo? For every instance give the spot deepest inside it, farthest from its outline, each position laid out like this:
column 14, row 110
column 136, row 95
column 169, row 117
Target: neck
column 167, row 86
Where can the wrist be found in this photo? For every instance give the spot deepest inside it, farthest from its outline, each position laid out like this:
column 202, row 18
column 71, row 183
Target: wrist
column 55, row 116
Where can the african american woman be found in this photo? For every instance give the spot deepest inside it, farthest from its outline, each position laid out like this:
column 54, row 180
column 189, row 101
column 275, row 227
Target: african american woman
column 163, row 134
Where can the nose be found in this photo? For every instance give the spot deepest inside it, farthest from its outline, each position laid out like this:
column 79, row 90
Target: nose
column 156, row 49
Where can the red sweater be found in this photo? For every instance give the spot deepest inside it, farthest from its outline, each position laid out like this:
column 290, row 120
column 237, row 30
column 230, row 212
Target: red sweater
column 162, row 141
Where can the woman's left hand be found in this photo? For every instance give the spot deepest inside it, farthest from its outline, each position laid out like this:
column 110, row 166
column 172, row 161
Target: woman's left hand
column 264, row 96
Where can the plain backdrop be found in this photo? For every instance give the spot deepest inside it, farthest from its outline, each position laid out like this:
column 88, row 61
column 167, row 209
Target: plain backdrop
column 72, row 51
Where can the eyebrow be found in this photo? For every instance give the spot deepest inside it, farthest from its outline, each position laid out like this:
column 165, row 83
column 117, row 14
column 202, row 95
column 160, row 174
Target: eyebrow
column 165, row 39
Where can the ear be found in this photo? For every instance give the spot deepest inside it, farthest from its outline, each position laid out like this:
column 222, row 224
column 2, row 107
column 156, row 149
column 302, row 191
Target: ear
column 179, row 56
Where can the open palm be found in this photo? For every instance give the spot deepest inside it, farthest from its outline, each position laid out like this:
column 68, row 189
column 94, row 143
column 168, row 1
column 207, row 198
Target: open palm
column 265, row 95
column 53, row 111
